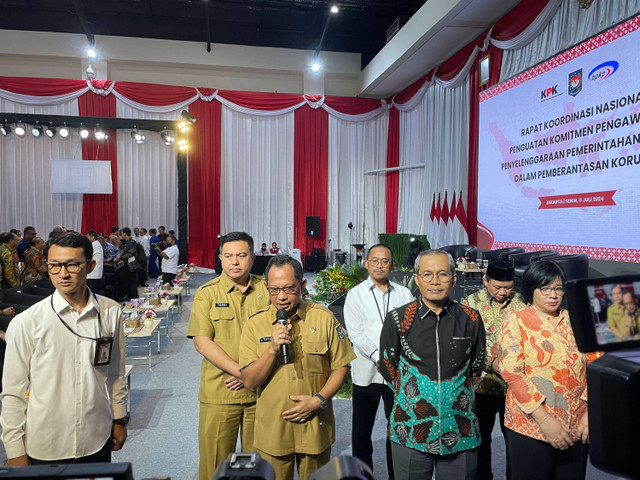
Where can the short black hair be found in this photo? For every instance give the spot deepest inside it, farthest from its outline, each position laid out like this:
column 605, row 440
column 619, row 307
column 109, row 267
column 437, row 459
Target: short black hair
column 73, row 240
column 280, row 261
column 152, row 231
column 114, row 229
column 380, row 245
column 126, row 231
column 28, row 229
column 172, row 232
column 162, row 227
column 237, row 237
column 93, row 233
column 175, row 240
column 537, row 275
column 15, row 231
column 6, row 237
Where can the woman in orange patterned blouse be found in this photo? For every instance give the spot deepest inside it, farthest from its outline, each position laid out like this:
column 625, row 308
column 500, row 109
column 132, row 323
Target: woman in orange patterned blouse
column 546, row 410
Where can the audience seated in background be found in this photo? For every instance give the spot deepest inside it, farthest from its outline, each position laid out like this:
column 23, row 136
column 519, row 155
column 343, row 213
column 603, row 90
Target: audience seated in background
column 10, row 273
column 34, row 262
column 274, row 250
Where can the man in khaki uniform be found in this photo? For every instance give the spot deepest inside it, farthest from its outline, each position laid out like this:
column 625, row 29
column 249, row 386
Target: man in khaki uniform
column 220, row 309
column 294, row 416
column 616, row 312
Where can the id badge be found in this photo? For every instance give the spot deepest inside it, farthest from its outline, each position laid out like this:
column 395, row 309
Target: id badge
column 103, row 351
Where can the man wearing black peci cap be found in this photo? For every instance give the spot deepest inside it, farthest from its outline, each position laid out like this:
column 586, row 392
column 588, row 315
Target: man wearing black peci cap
column 494, row 302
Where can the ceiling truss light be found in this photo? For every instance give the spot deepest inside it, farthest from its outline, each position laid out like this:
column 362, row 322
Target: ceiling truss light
column 334, row 9
column 183, row 144
column 91, row 52
column 20, row 130
column 64, row 131
column 36, row 130
column 186, row 122
column 5, row 129
column 50, row 131
column 84, row 133
column 167, row 138
column 100, row 134
column 137, row 136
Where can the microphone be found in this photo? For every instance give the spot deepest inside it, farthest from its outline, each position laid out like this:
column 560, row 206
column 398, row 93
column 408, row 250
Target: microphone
column 281, row 318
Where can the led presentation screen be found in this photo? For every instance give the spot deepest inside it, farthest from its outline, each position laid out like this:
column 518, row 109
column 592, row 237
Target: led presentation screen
column 559, row 152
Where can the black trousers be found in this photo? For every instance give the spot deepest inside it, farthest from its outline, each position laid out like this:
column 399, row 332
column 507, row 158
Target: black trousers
column 365, row 401
column 487, row 406
column 101, row 456
column 168, row 277
column 533, row 459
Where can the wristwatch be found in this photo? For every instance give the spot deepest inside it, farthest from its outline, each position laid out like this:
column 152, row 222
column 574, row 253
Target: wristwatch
column 323, row 401
column 121, row 421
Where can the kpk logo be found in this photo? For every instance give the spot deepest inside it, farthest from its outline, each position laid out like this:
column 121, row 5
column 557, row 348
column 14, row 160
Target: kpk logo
column 549, row 93
column 575, row 82
column 604, row 70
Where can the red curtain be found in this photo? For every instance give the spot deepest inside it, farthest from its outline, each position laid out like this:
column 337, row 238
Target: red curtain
column 311, row 168
column 260, row 100
column 100, row 212
column 204, row 183
column 393, row 179
column 352, row 106
column 153, row 94
column 519, row 18
column 40, row 86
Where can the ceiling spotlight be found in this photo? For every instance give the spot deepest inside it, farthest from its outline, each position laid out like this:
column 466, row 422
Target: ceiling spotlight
column 20, row 130
column 186, row 122
column 5, row 129
column 64, row 132
column 84, row 133
column 36, row 130
column 100, row 134
column 91, row 52
column 334, row 9
column 315, row 66
column 183, row 144
column 167, row 137
column 137, row 136
column 50, row 131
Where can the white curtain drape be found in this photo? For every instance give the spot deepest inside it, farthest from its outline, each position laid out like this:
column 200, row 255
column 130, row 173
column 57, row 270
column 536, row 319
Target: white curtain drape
column 147, row 174
column 568, row 26
column 435, row 134
column 25, row 195
column 257, row 176
column 354, row 148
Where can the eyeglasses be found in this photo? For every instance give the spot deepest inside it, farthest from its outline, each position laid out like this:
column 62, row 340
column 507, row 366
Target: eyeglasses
column 546, row 291
column 427, row 277
column 71, row 267
column 380, row 261
column 289, row 290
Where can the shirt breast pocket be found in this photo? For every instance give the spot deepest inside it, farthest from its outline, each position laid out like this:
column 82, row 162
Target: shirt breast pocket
column 316, row 359
column 223, row 323
column 460, row 349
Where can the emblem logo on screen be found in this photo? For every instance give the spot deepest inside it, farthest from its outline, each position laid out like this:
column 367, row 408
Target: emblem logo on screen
column 549, row 93
column 575, row 82
column 604, row 70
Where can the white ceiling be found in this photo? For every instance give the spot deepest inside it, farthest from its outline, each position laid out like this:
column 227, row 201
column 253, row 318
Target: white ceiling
column 437, row 31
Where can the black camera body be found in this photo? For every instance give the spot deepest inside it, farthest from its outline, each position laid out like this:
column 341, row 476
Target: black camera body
column 613, row 379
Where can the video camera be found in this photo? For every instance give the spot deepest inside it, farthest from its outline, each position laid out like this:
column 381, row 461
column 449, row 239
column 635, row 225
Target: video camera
column 613, row 379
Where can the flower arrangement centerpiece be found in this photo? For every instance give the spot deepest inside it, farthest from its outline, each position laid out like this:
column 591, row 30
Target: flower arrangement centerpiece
column 336, row 280
column 175, row 282
column 148, row 316
column 164, row 297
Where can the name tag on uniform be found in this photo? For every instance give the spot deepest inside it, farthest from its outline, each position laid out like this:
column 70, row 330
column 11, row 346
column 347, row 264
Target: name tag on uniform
column 222, row 305
column 265, row 339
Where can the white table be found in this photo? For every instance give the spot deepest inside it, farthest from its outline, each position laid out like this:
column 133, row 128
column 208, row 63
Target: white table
column 142, row 338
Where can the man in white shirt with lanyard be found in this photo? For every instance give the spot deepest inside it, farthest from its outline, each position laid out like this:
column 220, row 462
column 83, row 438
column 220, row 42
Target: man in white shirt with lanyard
column 67, row 352
column 365, row 308
column 170, row 262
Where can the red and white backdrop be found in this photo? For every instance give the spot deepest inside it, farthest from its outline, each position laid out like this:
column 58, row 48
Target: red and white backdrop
column 263, row 162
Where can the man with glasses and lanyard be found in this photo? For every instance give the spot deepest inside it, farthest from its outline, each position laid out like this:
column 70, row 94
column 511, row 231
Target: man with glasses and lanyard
column 67, row 353
column 365, row 308
column 430, row 351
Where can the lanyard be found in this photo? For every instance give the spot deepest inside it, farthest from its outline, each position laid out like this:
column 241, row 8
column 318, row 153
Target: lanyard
column 389, row 289
column 76, row 334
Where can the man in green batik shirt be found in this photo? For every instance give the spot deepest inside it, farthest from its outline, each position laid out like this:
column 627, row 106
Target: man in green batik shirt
column 494, row 302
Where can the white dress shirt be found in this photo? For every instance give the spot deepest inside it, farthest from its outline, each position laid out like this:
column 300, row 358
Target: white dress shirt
column 98, row 256
column 363, row 318
column 144, row 241
column 170, row 265
column 71, row 403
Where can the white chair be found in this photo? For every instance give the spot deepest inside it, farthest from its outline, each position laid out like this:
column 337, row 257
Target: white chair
column 297, row 254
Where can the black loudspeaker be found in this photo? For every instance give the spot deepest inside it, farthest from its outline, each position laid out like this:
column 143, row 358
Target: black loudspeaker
column 313, row 226
column 315, row 263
